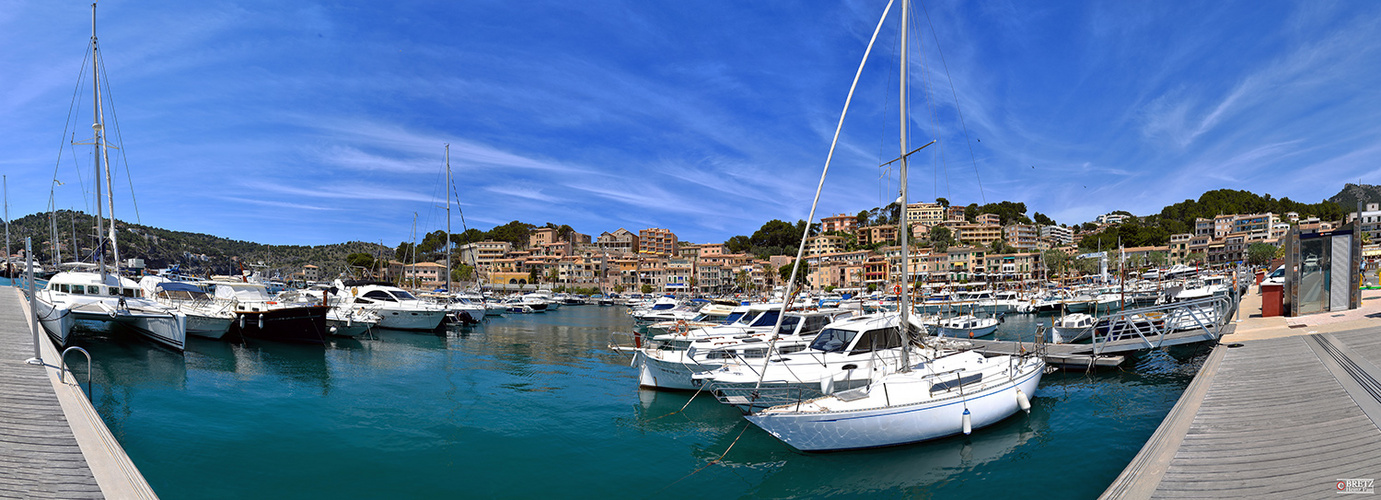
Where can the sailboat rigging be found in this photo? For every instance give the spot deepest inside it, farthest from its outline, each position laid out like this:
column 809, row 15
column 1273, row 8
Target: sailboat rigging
column 943, row 393
column 104, row 296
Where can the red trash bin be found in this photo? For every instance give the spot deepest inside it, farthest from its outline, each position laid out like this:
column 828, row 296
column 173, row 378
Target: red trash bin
column 1272, row 300
column 1260, row 275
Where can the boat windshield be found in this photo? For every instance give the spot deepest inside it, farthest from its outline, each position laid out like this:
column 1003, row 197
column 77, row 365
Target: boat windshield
column 767, row 318
column 662, row 307
column 833, row 340
column 733, row 318
column 403, row 295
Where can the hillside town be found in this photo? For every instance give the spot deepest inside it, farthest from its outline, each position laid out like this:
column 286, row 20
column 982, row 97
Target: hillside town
column 948, row 247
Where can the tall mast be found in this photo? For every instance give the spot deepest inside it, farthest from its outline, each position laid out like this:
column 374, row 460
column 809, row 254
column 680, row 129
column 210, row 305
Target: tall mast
column 448, row 218
column 7, row 223
column 901, row 221
column 98, row 128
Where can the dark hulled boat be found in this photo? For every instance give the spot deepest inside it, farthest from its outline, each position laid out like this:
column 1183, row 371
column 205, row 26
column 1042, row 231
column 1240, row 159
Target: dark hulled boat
column 300, row 324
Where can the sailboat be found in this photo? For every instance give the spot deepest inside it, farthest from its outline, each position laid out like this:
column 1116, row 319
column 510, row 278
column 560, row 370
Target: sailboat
column 946, row 393
column 103, row 295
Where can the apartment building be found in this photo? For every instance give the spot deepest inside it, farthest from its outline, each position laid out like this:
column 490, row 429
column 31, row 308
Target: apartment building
column 825, row 243
column 925, row 213
column 1021, row 236
column 620, row 242
column 484, row 252
column 869, row 235
column 840, row 223
column 978, row 234
column 1057, row 235
column 656, row 242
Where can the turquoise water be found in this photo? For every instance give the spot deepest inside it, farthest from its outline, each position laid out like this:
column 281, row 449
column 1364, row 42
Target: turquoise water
column 536, row 406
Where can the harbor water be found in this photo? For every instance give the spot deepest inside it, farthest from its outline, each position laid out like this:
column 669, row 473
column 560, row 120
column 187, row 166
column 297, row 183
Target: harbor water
column 537, row 406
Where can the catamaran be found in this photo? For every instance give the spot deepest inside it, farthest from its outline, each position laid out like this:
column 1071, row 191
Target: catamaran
column 102, row 295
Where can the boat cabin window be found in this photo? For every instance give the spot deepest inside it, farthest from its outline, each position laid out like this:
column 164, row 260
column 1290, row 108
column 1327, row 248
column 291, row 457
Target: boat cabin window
column 814, row 324
column 833, row 340
column 380, row 295
column 63, row 288
column 129, row 292
column 767, row 318
column 403, row 295
column 733, row 318
column 114, row 292
column 662, row 307
column 93, row 290
column 873, row 340
column 789, row 324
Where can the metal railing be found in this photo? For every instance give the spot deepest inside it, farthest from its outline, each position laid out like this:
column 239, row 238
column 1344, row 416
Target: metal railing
column 1152, row 325
column 62, row 370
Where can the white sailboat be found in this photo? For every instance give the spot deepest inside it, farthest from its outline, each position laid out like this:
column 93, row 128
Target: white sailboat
column 936, row 397
column 104, row 296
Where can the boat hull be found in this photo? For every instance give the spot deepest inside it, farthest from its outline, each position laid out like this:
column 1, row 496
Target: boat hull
column 208, row 326
column 897, row 425
column 973, row 333
column 57, row 320
column 670, row 370
column 305, row 324
column 411, row 320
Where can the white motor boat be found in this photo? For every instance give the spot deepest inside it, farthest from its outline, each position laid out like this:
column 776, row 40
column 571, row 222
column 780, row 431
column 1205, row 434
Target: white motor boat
column 669, row 361
column 397, row 308
column 966, row 327
column 848, row 353
column 1072, row 328
column 207, row 316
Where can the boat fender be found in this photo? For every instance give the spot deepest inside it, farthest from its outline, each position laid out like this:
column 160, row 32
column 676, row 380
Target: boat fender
column 261, row 322
column 1024, row 403
column 827, row 385
column 968, row 422
column 334, row 330
column 242, row 322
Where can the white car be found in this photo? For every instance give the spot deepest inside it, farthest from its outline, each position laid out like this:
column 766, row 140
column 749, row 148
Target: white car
column 1277, row 277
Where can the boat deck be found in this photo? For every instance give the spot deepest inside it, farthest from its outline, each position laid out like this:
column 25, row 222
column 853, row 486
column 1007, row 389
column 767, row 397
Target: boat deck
column 1286, row 416
column 52, row 442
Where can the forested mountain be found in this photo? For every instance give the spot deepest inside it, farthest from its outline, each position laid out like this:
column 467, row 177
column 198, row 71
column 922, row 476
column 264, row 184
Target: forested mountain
column 1352, row 193
column 1155, row 230
column 200, row 253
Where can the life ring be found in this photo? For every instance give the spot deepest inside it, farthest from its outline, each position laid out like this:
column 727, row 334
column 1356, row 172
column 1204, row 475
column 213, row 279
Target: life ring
column 896, row 289
column 682, row 328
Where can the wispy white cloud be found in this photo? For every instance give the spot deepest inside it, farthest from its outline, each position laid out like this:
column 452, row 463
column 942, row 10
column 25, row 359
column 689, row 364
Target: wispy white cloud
column 276, row 204
column 522, row 192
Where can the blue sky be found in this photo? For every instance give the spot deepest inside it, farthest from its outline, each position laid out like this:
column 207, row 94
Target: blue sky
column 309, row 123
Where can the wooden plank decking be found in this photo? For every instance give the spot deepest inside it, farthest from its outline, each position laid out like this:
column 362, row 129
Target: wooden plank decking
column 1276, row 418
column 39, row 455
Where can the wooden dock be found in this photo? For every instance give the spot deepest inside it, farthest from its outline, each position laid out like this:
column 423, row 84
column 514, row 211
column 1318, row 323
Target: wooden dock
column 52, row 442
column 1285, row 417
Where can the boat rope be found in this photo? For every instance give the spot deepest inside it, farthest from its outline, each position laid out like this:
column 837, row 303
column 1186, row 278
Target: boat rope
column 958, row 110
column 712, row 462
column 120, row 140
column 687, row 405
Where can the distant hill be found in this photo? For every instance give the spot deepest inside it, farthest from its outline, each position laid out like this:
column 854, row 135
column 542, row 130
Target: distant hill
column 1352, row 193
column 195, row 252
